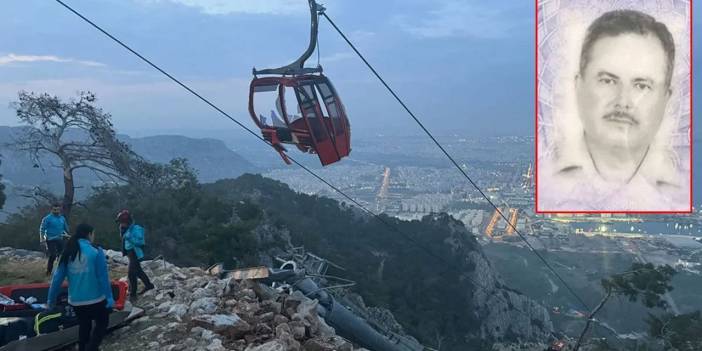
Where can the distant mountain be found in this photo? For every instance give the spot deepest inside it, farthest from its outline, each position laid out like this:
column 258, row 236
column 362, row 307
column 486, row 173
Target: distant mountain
column 17, row 168
column 211, row 158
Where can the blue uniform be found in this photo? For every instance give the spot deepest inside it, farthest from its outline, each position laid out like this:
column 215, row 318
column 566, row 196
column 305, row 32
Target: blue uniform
column 133, row 239
column 52, row 227
column 88, row 282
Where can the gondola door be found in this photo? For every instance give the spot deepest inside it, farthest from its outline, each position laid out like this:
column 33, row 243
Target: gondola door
column 335, row 118
column 312, row 114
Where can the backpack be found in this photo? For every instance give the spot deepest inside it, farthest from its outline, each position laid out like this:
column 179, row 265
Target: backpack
column 137, row 235
column 55, row 320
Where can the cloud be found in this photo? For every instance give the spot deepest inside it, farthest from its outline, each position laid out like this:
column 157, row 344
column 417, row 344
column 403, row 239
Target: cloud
column 338, row 56
column 105, row 88
column 361, row 35
column 259, row 7
column 13, row 58
column 455, row 18
column 164, row 102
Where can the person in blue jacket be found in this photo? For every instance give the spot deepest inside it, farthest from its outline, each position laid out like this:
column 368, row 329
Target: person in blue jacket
column 89, row 290
column 133, row 247
column 51, row 231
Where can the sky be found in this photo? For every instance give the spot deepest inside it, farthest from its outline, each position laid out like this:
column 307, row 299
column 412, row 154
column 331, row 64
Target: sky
column 461, row 65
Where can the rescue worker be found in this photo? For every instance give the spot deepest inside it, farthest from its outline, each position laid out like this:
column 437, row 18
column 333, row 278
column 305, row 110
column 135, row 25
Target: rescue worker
column 133, row 247
column 51, row 232
column 89, row 291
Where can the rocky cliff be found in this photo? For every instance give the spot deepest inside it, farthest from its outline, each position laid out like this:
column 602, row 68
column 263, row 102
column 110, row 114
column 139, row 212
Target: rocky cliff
column 504, row 314
column 431, row 274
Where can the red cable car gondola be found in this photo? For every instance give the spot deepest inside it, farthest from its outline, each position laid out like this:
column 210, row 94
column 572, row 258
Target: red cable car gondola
column 309, row 111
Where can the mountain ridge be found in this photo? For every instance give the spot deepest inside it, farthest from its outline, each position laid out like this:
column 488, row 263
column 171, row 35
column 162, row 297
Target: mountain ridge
column 210, row 158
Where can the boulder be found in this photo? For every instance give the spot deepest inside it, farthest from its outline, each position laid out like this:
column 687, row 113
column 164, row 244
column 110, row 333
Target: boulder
column 216, row 345
column 307, row 314
column 246, row 309
column 317, row 345
column 291, row 302
column 231, row 286
column 248, row 294
column 266, row 317
column 327, row 344
column 178, row 311
column 216, row 287
column 207, row 335
column 307, row 310
column 271, row 306
column 274, row 345
column 279, row 319
column 228, row 325
column 200, row 293
column 324, row 329
column 205, row 305
column 298, row 329
column 263, row 329
column 116, row 257
column 282, row 330
column 189, row 343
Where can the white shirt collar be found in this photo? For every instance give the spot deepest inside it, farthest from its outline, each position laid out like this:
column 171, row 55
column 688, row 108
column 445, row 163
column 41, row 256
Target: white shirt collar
column 659, row 166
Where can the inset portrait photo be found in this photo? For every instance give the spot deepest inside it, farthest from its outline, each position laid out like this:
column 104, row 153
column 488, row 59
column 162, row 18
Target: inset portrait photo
column 613, row 106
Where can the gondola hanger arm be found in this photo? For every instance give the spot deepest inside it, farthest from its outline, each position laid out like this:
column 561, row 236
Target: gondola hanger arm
column 298, row 66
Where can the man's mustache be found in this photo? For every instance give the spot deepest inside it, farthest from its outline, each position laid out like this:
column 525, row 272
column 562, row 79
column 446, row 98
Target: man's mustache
column 619, row 115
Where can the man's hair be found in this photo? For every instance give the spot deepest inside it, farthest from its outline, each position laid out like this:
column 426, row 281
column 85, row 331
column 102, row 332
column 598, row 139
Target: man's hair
column 618, row 22
column 55, row 204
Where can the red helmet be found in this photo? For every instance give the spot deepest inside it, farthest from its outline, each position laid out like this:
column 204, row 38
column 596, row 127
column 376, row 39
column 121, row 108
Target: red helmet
column 123, row 217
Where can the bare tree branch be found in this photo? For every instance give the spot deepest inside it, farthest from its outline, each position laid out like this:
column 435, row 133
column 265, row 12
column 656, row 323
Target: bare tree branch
column 40, row 195
column 78, row 134
column 104, row 172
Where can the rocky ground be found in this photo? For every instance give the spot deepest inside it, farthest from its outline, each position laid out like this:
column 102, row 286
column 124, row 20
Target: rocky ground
column 191, row 310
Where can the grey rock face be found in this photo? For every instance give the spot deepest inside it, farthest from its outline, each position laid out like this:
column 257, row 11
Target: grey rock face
column 504, row 311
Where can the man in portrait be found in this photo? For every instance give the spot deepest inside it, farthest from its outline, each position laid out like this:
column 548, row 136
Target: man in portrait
column 622, row 88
